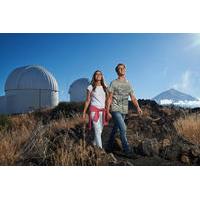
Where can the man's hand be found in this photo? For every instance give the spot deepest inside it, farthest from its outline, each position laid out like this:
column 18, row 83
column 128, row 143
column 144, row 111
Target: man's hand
column 135, row 103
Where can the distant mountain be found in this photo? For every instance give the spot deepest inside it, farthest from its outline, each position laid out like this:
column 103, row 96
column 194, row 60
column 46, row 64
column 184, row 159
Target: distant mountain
column 173, row 96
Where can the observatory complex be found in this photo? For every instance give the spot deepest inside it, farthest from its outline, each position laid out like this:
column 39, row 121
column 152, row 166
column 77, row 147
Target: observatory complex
column 27, row 89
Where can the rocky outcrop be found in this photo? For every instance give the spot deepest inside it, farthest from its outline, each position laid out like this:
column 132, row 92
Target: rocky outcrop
column 152, row 136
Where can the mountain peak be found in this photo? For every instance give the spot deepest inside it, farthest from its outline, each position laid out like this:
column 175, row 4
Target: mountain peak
column 172, row 89
column 174, row 96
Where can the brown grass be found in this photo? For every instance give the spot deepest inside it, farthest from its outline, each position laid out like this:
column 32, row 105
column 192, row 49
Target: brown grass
column 79, row 154
column 12, row 139
column 30, row 142
column 66, row 123
column 189, row 127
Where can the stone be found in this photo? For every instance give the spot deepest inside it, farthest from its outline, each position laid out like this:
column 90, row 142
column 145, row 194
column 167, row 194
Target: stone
column 112, row 158
column 165, row 143
column 185, row 159
column 185, row 149
column 150, row 147
column 195, row 151
column 129, row 163
column 172, row 153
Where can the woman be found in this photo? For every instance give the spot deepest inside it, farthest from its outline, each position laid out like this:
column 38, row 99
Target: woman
column 96, row 101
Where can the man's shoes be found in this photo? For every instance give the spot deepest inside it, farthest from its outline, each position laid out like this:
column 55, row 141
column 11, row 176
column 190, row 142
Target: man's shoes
column 130, row 154
column 108, row 150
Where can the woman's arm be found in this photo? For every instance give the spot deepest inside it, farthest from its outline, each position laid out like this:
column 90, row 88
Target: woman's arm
column 87, row 103
column 109, row 102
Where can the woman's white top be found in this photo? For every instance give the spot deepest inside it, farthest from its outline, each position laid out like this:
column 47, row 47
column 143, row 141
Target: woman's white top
column 98, row 96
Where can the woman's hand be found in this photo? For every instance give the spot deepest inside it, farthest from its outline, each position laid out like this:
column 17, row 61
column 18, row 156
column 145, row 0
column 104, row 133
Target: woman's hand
column 109, row 116
column 84, row 116
column 139, row 111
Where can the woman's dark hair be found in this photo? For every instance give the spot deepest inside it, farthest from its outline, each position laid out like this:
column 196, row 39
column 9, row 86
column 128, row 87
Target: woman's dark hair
column 93, row 82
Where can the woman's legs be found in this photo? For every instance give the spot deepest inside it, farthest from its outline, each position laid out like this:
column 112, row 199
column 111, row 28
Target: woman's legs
column 98, row 128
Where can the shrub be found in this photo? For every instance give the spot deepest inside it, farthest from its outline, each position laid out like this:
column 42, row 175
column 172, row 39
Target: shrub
column 189, row 127
column 5, row 122
column 68, row 109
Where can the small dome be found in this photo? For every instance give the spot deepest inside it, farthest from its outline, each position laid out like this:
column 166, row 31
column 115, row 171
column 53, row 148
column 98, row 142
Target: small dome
column 78, row 90
column 79, row 84
column 31, row 77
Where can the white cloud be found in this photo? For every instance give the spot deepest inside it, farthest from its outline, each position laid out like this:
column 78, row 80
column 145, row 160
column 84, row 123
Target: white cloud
column 189, row 104
column 185, row 83
column 165, row 70
column 195, row 43
column 166, row 101
column 189, row 82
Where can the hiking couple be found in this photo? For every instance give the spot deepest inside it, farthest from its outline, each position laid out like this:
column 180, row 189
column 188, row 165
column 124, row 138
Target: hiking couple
column 105, row 103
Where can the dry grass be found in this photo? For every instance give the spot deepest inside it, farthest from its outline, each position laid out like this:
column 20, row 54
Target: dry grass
column 189, row 127
column 66, row 123
column 9, row 151
column 79, row 154
column 30, row 142
column 13, row 138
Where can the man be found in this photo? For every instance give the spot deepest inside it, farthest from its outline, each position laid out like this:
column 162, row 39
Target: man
column 119, row 92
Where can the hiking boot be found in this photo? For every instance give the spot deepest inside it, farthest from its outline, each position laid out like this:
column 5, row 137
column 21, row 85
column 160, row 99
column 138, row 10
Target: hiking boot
column 108, row 150
column 130, row 154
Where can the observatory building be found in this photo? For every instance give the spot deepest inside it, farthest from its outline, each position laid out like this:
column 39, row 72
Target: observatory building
column 29, row 88
column 77, row 90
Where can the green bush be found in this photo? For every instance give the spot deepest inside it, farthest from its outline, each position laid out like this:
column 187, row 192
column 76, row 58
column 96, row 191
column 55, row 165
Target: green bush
column 63, row 109
column 5, row 122
column 68, row 109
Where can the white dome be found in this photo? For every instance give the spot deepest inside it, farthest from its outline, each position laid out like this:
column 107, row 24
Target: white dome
column 31, row 77
column 79, row 84
column 78, row 90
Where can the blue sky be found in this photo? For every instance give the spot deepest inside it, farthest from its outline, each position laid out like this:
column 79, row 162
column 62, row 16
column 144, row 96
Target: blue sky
column 155, row 62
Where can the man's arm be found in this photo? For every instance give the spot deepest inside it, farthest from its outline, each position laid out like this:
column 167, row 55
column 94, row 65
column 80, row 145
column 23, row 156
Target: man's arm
column 135, row 103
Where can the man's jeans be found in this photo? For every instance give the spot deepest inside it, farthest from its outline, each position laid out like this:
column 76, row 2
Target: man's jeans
column 119, row 124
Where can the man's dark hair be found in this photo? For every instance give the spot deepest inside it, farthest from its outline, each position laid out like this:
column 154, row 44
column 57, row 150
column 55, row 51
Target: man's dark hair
column 120, row 64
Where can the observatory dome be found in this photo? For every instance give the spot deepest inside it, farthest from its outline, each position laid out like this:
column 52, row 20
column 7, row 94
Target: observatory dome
column 29, row 88
column 78, row 89
column 31, row 77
